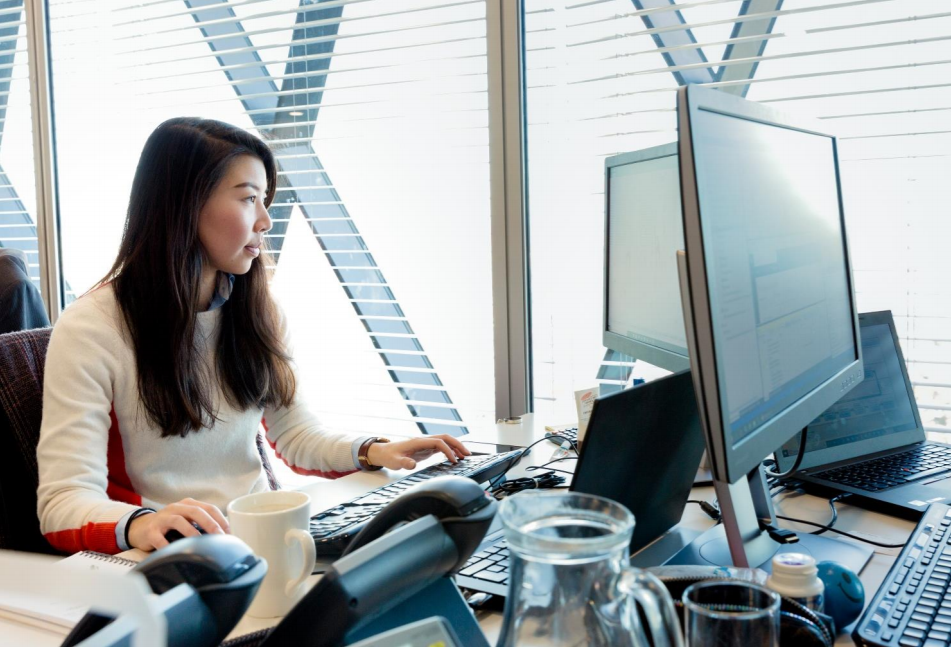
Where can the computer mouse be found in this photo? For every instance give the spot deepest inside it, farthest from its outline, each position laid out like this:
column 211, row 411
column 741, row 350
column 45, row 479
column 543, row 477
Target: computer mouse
column 174, row 535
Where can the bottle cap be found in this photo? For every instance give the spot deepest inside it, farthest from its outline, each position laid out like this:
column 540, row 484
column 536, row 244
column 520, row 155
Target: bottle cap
column 793, row 569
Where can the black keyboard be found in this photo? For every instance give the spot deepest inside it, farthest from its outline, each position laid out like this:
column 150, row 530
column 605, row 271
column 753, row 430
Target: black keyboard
column 333, row 528
column 912, row 608
column 888, row 471
column 570, row 433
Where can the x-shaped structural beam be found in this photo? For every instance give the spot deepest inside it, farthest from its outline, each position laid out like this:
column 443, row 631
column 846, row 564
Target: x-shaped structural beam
column 287, row 121
column 675, row 44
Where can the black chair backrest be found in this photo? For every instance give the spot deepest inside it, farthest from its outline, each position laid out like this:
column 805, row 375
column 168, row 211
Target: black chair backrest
column 22, row 360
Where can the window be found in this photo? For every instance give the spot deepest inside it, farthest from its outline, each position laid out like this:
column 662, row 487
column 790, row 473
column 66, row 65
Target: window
column 377, row 113
column 17, row 180
column 601, row 78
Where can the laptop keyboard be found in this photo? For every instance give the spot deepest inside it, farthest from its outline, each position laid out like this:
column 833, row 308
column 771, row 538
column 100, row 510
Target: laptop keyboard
column 490, row 564
column 890, row 471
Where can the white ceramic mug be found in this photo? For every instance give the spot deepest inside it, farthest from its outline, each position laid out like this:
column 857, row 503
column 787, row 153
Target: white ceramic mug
column 275, row 525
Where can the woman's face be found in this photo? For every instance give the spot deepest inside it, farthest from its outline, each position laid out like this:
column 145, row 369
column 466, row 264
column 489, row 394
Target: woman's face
column 232, row 223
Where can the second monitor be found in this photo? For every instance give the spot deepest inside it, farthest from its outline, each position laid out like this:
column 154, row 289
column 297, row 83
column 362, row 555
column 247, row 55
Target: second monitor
column 643, row 317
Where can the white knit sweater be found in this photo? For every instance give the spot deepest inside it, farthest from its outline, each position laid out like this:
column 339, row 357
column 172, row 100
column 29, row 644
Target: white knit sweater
column 100, row 456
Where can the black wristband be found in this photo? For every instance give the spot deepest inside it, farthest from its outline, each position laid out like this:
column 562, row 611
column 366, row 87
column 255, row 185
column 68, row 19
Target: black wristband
column 128, row 524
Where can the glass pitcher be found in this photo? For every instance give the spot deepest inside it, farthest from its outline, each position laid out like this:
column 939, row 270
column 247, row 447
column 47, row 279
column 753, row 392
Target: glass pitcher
column 570, row 581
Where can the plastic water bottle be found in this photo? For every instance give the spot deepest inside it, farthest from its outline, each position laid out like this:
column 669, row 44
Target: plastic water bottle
column 795, row 576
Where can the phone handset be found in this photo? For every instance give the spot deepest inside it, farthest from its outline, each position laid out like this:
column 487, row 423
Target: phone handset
column 418, row 540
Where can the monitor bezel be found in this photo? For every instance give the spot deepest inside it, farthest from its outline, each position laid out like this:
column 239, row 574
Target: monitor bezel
column 659, row 353
column 729, row 462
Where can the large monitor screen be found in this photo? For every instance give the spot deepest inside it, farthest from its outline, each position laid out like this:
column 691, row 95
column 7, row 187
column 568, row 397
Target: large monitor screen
column 777, row 271
column 644, row 232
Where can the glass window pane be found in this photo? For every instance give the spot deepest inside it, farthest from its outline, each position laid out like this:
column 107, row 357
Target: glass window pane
column 17, row 180
column 377, row 114
column 598, row 86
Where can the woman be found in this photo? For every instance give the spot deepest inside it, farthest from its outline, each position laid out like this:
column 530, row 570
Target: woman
column 157, row 380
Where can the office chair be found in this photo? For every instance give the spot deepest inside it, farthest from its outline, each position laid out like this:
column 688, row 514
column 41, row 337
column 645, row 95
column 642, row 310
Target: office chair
column 21, row 306
column 22, row 356
column 22, row 359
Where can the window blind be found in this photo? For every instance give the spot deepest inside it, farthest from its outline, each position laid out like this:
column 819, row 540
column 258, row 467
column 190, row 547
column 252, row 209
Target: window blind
column 17, row 182
column 377, row 115
column 602, row 78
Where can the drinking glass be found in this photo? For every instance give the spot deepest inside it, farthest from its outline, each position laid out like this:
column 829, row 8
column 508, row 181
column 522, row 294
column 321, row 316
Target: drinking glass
column 731, row 614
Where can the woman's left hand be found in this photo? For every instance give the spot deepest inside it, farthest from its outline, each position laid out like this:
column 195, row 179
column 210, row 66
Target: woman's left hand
column 403, row 454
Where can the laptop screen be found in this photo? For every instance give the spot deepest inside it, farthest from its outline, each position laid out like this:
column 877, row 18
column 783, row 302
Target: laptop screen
column 877, row 415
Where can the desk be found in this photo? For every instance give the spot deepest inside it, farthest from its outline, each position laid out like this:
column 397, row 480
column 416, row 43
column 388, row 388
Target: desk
column 329, row 493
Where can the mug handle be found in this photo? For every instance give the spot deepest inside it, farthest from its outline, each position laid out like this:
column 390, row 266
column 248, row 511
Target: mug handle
column 310, row 557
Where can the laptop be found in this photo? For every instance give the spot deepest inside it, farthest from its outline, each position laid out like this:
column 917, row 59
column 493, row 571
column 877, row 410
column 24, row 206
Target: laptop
column 641, row 449
column 871, row 444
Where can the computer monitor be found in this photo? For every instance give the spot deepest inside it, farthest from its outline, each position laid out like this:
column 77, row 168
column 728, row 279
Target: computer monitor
column 643, row 316
column 773, row 331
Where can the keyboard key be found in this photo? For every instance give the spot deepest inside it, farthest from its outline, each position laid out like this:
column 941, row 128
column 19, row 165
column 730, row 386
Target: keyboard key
column 492, row 577
column 475, row 568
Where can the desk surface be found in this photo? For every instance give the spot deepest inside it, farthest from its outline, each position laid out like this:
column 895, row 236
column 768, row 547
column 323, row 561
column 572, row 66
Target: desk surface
column 325, row 494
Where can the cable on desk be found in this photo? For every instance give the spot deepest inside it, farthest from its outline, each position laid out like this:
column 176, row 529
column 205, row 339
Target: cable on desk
column 542, row 481
column 494, row 484
column 795, row 466
column 532, row 468
column 835, row 512
column 840, row 532
column 711, row 510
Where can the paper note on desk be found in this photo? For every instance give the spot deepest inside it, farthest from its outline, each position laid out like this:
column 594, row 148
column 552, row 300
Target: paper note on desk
column 584, row 402
column 54, row 615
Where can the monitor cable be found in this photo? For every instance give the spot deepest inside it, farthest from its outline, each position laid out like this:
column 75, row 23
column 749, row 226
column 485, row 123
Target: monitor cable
column 835, row 512
column 840, row 532
column 795, row 466
column 785, row 536
column 710, row 509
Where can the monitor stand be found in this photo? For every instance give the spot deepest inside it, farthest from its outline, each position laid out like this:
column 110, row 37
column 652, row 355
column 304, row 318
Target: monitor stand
column 738, row 541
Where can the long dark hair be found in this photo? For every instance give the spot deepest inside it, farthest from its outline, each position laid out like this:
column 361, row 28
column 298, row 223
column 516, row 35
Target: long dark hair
column 157, row 276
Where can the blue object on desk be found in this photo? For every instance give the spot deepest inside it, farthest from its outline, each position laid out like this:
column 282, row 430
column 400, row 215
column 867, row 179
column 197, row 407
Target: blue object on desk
column 844, row 594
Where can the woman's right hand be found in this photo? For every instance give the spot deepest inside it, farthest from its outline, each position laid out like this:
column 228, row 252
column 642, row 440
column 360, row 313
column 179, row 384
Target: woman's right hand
column 147, row 531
